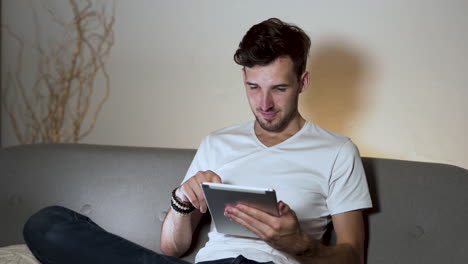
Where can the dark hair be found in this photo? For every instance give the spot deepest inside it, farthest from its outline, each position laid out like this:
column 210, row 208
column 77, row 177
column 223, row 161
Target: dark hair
column 270, row 39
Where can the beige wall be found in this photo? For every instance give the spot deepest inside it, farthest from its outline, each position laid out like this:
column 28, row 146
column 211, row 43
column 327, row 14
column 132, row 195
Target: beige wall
column 392, row 75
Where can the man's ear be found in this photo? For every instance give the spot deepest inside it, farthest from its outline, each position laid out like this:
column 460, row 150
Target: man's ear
column 305, row 80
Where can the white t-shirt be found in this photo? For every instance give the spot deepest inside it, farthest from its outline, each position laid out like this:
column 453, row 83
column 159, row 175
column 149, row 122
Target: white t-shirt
column 318, row 173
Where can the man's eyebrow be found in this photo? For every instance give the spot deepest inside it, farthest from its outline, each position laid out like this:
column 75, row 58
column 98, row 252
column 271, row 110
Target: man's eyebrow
column 274, row 86
column 281, row 85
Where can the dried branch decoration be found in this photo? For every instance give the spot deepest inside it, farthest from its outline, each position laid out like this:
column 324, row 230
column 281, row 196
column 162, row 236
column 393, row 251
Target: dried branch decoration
column 54, row 108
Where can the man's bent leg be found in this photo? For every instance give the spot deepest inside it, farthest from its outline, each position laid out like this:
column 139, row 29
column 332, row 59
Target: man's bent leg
column 59, row 235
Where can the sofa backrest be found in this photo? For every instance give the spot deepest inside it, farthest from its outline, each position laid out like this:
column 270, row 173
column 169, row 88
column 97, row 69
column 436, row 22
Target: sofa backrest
column 126, row 190
column 419, row 213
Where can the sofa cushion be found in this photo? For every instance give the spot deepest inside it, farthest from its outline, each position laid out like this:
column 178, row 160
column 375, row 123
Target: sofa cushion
column 17, row 254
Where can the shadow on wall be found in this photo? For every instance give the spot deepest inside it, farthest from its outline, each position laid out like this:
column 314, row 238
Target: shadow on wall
column 335, row 96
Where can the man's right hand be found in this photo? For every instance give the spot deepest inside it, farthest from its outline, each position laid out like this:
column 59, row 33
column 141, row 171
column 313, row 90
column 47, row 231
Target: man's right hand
column 191, row 190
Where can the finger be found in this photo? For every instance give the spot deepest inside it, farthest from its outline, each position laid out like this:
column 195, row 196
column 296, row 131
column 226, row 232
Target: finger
column 189, row 193
column 283, row 208
column 262, row 221
column 198, row 197
column 192, row 189
column 246, row 221
column 213, row 177
column 205, row 176
column 256, row 214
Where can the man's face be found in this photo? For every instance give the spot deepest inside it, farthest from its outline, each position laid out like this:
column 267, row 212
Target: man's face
column 273, row 92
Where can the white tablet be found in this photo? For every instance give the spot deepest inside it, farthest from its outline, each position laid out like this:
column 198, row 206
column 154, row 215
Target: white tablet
column 218, row 196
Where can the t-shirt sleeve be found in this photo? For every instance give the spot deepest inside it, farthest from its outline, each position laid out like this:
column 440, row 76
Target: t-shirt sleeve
column 348, row 189
column 200, row 160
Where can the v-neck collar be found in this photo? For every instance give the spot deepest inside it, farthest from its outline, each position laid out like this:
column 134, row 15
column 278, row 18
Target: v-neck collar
column 298, row 133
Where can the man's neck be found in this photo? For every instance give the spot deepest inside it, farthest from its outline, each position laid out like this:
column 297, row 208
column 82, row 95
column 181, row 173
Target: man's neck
column 271, row 138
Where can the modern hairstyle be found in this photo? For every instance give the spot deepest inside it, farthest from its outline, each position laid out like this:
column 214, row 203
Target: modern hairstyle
column 271, row 39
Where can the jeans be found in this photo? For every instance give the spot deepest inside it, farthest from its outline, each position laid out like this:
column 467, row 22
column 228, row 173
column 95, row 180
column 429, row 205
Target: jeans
column 57, row 235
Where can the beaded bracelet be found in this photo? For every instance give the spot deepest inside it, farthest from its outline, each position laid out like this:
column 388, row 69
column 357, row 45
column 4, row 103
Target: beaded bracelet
column 181, row 208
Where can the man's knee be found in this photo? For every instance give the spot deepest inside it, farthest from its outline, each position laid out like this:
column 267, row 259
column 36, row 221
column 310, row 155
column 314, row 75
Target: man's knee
column 38, row 227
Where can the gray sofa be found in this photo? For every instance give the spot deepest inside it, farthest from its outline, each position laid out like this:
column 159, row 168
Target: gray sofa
column 420, row 213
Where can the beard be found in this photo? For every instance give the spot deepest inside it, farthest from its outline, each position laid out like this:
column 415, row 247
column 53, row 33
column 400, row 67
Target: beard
column 279, row 125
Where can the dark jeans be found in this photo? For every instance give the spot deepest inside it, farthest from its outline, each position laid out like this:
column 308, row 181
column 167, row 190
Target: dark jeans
column 57, row 235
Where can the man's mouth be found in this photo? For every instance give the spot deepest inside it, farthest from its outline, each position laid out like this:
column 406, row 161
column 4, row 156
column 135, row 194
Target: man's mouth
column 269, row 115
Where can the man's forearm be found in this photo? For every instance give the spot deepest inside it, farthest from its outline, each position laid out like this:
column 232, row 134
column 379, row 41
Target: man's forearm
column 332, row 254
column 189, row 202
column 176, row 233
column 317, row 253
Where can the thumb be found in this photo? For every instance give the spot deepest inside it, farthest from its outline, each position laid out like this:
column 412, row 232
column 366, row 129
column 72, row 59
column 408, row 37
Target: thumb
column 283, row 208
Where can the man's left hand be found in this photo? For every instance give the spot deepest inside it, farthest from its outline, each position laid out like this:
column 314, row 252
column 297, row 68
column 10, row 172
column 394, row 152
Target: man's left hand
column 281, row 232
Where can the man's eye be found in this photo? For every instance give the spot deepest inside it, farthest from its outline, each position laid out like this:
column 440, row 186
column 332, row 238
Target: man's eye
column 253, row 87
column 281, row 89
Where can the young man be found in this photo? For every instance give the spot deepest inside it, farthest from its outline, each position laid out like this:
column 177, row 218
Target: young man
column 317, row 174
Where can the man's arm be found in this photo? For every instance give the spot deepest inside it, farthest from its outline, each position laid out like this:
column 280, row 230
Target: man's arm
column 349, row 248
column 177, row 231
column 284, row 233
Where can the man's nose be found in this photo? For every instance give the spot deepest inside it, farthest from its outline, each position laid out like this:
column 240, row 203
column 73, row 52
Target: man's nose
column 266, row 101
